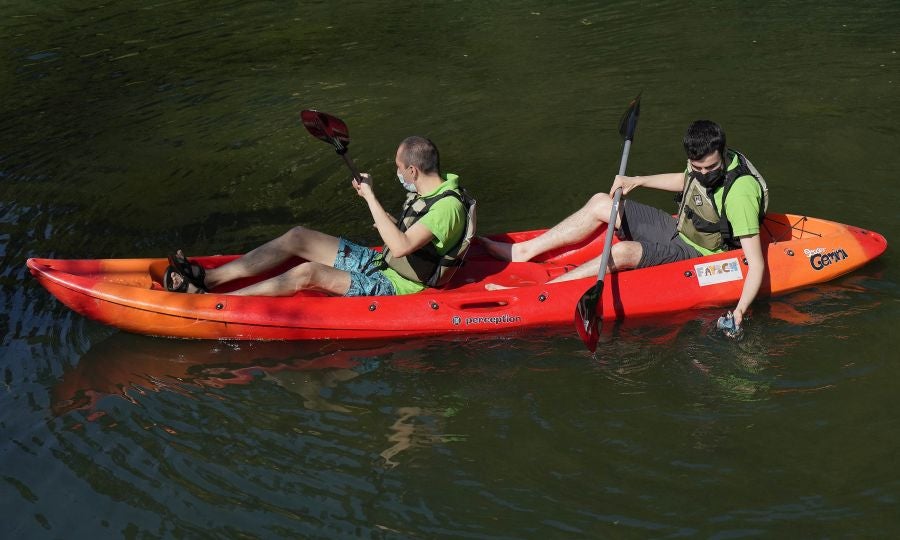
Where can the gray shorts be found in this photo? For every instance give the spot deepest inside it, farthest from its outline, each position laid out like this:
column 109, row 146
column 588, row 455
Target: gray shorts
column 655, row 231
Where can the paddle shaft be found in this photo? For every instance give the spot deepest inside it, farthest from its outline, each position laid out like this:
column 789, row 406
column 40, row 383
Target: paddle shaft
column 350, row 164
column 611, row 227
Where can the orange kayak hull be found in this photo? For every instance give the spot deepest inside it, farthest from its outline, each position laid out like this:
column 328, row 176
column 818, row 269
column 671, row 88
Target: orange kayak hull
column 126, row 293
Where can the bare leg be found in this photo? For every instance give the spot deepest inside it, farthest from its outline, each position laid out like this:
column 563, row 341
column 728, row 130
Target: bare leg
column 301, row 242
column 623, row 256
column 573, row 229
column 306, row 276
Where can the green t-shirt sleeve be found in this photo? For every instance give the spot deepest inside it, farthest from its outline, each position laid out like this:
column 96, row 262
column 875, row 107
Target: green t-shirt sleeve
column 446, row 220
column 742, row 206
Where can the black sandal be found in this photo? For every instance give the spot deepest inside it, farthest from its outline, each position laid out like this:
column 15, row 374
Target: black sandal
column 169, row 282
column 190, row 273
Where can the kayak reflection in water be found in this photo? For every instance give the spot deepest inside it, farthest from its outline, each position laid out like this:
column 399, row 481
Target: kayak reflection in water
column 129, row 366
column 337, row 266
column 651, row 236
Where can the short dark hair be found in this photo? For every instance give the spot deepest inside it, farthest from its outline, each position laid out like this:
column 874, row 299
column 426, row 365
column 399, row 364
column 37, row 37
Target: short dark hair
column 704, row 137
column 421, row 153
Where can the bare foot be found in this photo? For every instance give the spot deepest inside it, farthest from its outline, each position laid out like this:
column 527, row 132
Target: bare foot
column 502, row 250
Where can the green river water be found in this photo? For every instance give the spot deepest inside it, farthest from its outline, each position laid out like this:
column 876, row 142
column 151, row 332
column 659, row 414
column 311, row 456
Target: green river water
column 129, row 129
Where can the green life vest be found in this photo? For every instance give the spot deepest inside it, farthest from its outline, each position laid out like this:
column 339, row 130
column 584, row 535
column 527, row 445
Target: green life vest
column 426, row 265
column 699, row 219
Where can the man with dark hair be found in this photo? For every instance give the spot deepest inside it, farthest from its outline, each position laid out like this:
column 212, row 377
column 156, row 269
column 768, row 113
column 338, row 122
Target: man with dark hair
column 723, row 201
column 431, row 230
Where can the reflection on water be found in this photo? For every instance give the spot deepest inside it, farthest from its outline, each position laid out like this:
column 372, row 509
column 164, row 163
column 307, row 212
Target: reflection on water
column 132, row 368
column 125, row 364
column 416, row 427
column 332, row 432
column 779, row 332
column 630, row 355
column 312, row 385
column 404, row 430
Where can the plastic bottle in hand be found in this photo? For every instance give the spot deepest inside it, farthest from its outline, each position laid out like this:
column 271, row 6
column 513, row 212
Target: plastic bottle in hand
column 728, row 327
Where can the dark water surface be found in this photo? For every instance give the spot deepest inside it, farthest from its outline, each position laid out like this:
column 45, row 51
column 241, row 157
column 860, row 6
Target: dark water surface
column 128, row 129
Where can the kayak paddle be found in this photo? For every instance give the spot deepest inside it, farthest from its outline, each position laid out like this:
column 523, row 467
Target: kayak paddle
column 332, row 130
column 587, row 320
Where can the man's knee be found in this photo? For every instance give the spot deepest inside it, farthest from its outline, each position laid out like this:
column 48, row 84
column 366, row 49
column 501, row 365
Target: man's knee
column 626, row 255
column 296, row 234
column 302, row 276
column 599, row 205
column 298, row 239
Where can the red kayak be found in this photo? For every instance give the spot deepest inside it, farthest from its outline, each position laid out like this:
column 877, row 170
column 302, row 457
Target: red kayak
column 126, row 293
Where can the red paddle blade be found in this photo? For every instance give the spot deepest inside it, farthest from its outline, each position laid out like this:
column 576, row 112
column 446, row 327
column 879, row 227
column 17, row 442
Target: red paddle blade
column 328, row 128
column 587, row 321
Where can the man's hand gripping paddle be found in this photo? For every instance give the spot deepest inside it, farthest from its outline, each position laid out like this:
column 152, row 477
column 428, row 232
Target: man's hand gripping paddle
column 589, row 311
column 332, row 130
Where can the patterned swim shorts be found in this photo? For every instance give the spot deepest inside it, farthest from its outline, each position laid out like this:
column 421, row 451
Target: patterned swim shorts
column 362, row 265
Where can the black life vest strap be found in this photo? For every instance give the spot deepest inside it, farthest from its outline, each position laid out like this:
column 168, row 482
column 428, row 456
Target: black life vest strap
column 724, row 225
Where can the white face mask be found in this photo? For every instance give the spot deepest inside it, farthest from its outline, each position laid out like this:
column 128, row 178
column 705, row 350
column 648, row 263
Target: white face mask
column 407, row 186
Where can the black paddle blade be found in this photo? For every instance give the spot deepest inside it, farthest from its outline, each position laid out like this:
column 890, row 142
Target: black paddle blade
column 588, row 321
column 328, row 128
column 628, row 124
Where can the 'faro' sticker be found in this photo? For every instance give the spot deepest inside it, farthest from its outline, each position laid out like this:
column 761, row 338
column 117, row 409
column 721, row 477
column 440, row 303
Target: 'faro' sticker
column 819, row 258
column 718, row 272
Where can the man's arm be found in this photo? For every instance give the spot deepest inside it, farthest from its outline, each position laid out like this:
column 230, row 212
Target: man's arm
column 666, row 182
column 755, row 273
column 399, row 242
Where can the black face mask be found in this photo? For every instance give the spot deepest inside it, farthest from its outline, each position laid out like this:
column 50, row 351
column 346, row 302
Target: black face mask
column 711, row 179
